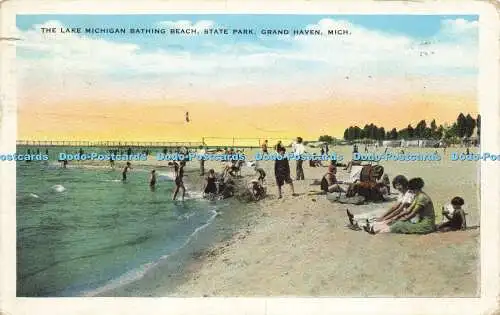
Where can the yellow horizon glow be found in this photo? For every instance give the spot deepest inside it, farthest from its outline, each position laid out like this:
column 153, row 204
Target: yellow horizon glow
column 157, row 120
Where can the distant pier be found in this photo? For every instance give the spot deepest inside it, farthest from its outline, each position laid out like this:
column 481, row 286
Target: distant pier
column 111, row 144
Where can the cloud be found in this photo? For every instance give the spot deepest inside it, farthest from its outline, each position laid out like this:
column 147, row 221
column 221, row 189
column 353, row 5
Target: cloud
column 454, row 48
column 185, row 24
column 73, row 59
column 459, row 27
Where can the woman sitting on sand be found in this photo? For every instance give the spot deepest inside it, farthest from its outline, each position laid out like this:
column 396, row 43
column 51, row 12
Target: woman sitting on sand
column 422, row 207
column 405, row 199
column 329, row 182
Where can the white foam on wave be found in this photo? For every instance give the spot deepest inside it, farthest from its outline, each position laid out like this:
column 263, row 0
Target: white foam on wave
column 162, row 176
column 35, row 196
column 191, row 195
column 141, row 271
column 113, row 180
column 58, row 188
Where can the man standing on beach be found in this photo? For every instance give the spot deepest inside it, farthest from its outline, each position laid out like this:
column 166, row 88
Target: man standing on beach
column 264, row 147
column 282, row 173
column 299, row 150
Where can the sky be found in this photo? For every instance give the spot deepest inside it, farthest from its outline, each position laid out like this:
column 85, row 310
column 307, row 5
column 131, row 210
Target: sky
column 390, row 70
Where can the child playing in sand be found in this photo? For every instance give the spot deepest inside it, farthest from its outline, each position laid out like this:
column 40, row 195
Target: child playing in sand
column 125, row 171
column 258, row 191
column 152, row 180
column 453, row 216
column 261, row 173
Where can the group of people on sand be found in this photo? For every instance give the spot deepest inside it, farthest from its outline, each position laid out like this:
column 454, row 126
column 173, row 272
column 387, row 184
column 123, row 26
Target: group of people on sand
column 413, row 212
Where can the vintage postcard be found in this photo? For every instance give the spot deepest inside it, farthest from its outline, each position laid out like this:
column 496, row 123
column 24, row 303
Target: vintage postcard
column 250, row 155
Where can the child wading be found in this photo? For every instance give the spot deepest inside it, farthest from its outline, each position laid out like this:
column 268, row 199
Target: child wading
column 125, row 171
column 152, row 180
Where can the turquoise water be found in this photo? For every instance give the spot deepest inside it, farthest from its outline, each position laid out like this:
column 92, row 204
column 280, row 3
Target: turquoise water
column 101, row 234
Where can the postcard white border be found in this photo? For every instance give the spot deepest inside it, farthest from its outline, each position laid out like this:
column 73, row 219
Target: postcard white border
column 490, row 179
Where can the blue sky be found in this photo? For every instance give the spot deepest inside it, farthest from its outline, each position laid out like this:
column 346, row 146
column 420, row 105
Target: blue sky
column 381, row 46
column 416, row 26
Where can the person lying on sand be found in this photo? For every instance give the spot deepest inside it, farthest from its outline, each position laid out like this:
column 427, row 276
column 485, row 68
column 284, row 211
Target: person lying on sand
column 422, row 207
column 315, row 163
column 329, row 182
column 453, row 216
column 349, row 165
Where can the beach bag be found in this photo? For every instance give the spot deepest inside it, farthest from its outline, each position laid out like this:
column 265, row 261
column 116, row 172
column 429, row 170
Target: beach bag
column 371, row 173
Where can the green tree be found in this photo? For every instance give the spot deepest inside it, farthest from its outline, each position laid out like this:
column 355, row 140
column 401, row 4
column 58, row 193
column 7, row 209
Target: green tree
column 461, row 126
column 478, row 124
column 381, row 134
column 403, row 134
column 393, row 134
column 439, row 132
column 434, row 128
column 420, row 129
column 470, row 124
column 410, row 131
column 326, row 138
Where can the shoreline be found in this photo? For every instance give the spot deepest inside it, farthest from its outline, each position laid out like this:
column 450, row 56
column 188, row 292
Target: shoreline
column 298, row 246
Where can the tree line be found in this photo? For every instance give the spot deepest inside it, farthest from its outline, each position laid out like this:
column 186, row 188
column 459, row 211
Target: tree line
column 462, row 127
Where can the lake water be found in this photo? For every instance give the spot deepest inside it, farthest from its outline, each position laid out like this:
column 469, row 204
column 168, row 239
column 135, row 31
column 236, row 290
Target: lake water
column 95, row 235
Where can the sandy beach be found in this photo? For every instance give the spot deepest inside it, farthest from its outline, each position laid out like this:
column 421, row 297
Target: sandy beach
column 300, row 246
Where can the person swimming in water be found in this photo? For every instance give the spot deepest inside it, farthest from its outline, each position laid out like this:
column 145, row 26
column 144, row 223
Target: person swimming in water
column 125, row 170
column 152, row 180
column 179, row 174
